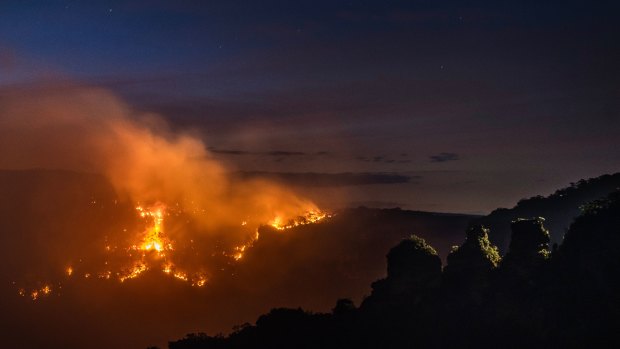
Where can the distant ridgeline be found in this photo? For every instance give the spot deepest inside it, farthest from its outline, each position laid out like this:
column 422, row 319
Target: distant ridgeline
column 533, row 296
column 559, row 209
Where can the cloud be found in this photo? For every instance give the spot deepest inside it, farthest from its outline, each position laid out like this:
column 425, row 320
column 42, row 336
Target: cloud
column 313, row 179
column 278, row 153
column 443, row 157
column 377, row 204
column 230, row 151
column 383, row 159
column 285, row 153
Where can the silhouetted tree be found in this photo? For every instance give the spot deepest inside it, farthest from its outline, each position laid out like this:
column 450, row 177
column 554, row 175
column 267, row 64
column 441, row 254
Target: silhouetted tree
column 559, row 208
column 469, row 266
column 584, row 285
column 413, row 268
column 344, row 307
column 529, row 247
column 465, row 283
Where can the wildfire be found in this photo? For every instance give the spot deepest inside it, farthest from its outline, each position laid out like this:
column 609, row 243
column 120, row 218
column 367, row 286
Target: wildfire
column 134, row 272
column 313, row 216
column 154, row 251
column 154, row 239
column 240, row 250
column 154, row 242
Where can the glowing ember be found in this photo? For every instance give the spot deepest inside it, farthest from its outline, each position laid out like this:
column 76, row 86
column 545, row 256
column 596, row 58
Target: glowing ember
column 36, row 293
column 180, row 275
column 105, row 275
column 200, row 281
column 167, row 268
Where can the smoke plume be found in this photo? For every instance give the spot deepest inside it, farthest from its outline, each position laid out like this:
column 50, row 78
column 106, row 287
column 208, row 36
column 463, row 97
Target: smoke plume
column 89, row 129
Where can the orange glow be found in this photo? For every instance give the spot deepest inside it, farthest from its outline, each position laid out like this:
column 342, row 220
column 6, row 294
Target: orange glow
column 36, row 293
column 167, row 268
column 133, row 272
column 180, row 275
column 153, row 250
column 154, row 167
column 240, row 250
column 154, row 239
column 154, row 242
column 46, row 289
column 200, row 281
column 312, row 216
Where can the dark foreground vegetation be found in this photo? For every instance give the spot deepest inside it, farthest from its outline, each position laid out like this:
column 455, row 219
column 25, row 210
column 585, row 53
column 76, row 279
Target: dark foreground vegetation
column 559, row 209
column 533, row 296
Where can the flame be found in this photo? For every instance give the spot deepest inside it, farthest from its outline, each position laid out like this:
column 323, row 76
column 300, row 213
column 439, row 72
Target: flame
column 239, row 251
column 201, row 280
column 312, row 216
column 167, row 268
column 154, row 242
column 133, row 272
column 180, row 275
column 154, row 250
column 154, row 239
column 36, row 293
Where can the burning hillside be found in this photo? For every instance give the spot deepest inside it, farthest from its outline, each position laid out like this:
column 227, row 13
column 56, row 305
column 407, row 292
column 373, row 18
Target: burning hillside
column 70, row 232
column 192, row 216
column 154, row 250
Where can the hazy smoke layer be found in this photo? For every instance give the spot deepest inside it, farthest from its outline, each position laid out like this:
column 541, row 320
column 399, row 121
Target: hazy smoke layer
column 89, row 129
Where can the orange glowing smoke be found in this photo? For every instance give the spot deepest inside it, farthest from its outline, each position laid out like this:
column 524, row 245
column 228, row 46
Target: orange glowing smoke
column 89, row 129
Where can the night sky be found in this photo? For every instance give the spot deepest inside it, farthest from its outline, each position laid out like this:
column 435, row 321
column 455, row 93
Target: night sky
column 456, row 106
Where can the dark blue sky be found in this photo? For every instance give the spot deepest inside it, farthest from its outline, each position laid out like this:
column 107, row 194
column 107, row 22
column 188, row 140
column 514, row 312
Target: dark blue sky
column 476, row 103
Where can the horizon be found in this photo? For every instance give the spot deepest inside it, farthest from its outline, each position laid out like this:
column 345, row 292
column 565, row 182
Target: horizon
column 368, row 204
